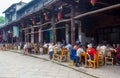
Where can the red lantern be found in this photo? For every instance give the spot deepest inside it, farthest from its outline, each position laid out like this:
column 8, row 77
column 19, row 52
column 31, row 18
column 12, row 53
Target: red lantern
column 1, row 36
column 22, row 24
column 93, row 2
column 33, row 21
column 59, row 15
column 46, row 16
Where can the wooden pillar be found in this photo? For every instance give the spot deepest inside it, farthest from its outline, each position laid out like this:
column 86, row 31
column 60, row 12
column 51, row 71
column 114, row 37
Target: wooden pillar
column 53, row 29
column 72, row 25
column 26, row 35
column 20, row 36
column 40, row 35
column 67, row 33
column 80, row 32
column 12, row 36
column 32, row 35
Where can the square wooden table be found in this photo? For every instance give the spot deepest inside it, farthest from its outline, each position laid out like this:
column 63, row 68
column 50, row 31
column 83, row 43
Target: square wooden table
column 85, row 55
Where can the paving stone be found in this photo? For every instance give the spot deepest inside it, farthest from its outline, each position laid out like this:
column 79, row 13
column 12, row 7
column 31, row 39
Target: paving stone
column 13, row 65
column 107, row 71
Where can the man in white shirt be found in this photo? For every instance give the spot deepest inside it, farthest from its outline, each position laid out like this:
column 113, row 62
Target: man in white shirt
column 79, row 50
column 45, row 45
column 50, row 49
column 45, row 48
column 68, row 46
column 103, row 49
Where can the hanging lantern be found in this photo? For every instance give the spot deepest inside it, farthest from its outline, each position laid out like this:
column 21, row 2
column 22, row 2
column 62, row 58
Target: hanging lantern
column 22, row 24
column 93, row 2
column 46, row 16
column 1, row 36
column 33, row 21
column 59, row 15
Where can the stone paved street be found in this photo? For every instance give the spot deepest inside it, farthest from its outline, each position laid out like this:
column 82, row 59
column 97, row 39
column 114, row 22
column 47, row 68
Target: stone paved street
column 13, row 65
column 106, row 71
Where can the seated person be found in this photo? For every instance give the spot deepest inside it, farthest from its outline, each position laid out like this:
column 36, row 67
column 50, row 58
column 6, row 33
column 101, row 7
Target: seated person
column 68, row 46
column 79, row 50
column 118, row 52
column 117, row 55
column 91, row 52
column 73, row 53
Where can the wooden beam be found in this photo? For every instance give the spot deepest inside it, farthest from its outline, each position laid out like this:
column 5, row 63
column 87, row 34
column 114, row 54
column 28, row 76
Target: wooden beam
column 102, row 3
column 98, row 11
column 45, row 24
column 61, row 21
column 45, row 30
column 64, row 20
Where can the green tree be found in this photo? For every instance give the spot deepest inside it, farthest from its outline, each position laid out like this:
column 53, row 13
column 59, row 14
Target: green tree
column 2, row 19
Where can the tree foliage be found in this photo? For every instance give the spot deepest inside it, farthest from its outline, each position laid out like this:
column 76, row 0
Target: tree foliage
column 2, row 19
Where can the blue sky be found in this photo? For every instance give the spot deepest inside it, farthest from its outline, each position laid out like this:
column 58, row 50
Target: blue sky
column 4, row 4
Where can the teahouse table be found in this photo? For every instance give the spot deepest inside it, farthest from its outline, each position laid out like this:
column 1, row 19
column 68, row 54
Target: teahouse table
column 85, row 55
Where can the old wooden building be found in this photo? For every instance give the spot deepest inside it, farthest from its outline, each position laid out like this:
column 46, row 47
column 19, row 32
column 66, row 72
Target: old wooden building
column 70, row 20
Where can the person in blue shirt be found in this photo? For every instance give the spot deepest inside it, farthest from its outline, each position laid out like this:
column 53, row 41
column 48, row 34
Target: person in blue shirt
column 73, row 53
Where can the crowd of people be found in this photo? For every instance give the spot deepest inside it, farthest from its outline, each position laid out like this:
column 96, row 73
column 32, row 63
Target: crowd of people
column 93, row 50
column 75, row 50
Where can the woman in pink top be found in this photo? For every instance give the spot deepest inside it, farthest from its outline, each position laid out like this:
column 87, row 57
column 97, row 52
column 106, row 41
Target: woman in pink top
column 118, row 52
column 116, row 56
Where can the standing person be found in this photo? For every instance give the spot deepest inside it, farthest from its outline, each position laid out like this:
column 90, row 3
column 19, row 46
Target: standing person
column 59, row 46
column 45, row 48
column 79, row 50
column 50, row 49
column 3, row 46
column 24, row 48
column 28, row 47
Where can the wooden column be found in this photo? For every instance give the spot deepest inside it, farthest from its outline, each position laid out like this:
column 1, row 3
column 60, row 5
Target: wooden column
column 40, row 35
column 20, row 35
column 12, row 36
column 40, row 30
column 67, row 33
column 32, row 35
column 53, row 29
column 72, row 25
column 26, row 35
column 80, row 32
